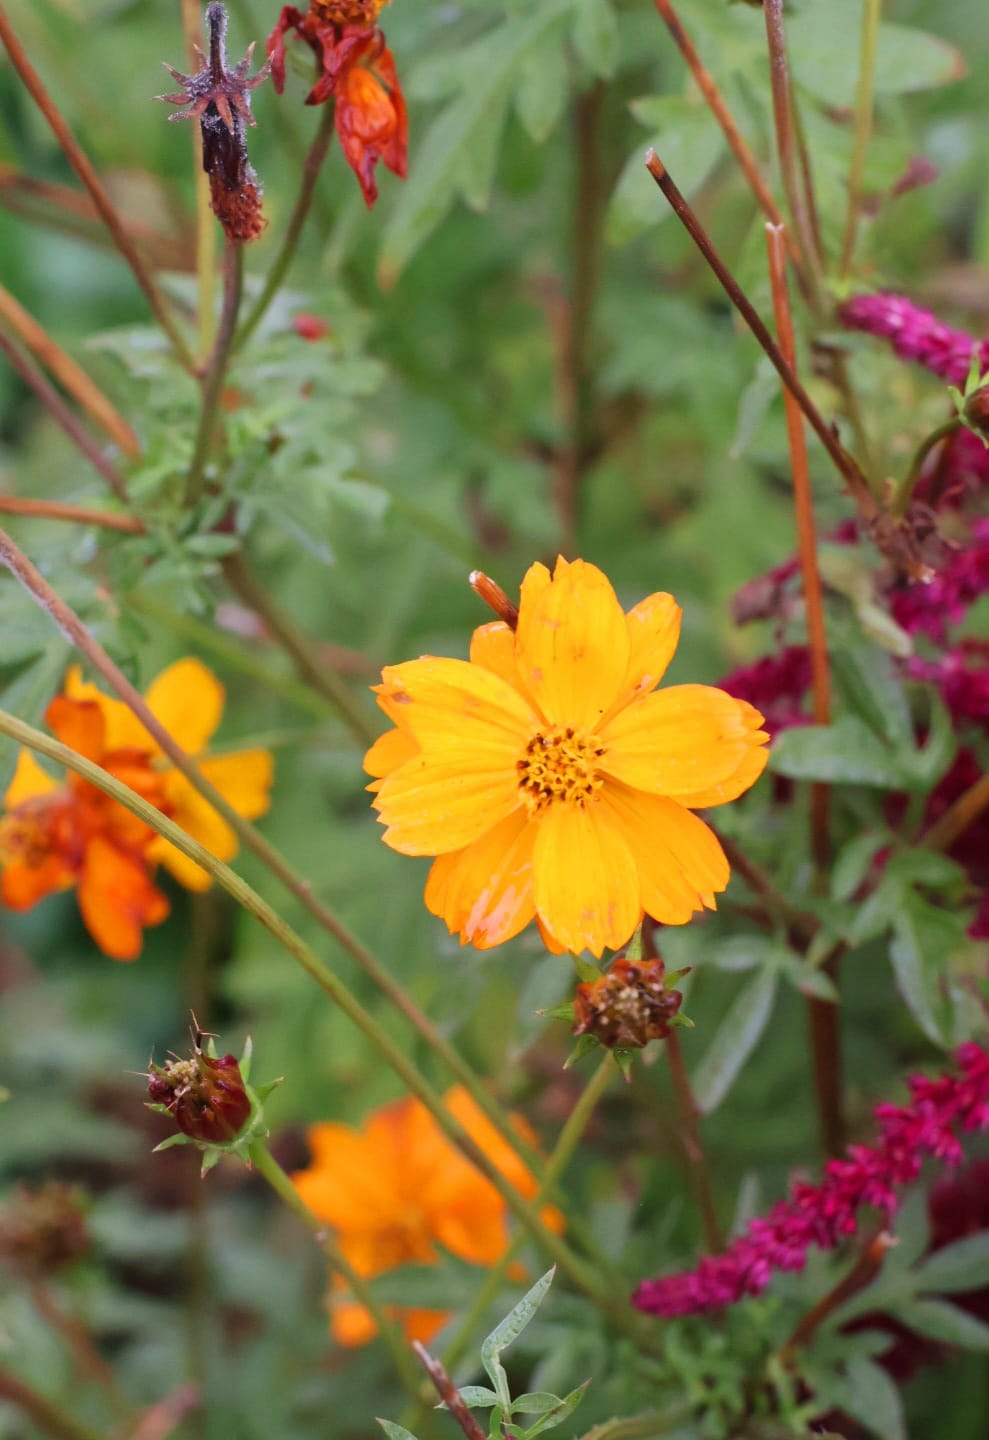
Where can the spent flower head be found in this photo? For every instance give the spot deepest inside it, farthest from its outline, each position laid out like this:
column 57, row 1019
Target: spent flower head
column 552, row 780
column 43, row 1230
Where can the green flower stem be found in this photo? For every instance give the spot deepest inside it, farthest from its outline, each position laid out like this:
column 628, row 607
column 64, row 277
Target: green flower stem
column 557, row 1163
column 581, row 1274
column 905, row 493
column 311, row 167
column 48, row 1416
column 216, row 369
column 65, row 618
column 401, row 1353
column 863, row 127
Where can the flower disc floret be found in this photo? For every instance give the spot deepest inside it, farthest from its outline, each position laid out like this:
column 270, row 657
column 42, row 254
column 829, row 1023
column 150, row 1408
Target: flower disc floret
column 549, row 777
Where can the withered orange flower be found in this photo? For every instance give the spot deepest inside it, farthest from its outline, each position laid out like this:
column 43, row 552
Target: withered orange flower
column 56, row 835
column 357, row 68
column 552, row 780
column 396, row 1189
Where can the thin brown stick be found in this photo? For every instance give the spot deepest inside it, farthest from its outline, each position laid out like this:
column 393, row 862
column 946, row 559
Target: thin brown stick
column 717, row 104
column 693, row 1143
column 89, row 1362
column 959, row 816
column 68, row 374
column 862, row 1273
column 449, row 1393
column 783, row 117
column 37, row 380
column 158, row 1422
column 75, row 514
column 823, row 1014
column 48, row 1416
column 90, row 179
column 216, row 369
column 844, row 463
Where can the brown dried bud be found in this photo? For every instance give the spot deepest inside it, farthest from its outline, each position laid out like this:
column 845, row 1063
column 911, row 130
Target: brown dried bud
column 43, row 1230
column 220, row 100
column 492, row 594
column 627, row 1007
column 976, row 411
column 206, row 1097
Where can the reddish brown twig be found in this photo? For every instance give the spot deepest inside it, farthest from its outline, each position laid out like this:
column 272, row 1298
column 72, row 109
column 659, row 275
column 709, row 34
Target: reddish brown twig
column 959, row 816
column 88, row 176
column 783, row 117
column 160, row 1420
column 34, row 377
column 449, row 1393
column 862, row 1273
column 69, row 375
column 75, row 514
column 492, row 594
column 845, row 464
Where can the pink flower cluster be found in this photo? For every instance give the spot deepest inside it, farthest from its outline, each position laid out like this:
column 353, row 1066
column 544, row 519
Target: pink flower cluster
column 777, row 685
column 944, row 600
column 962, row 678
column 915, row 334
column 823, row 1215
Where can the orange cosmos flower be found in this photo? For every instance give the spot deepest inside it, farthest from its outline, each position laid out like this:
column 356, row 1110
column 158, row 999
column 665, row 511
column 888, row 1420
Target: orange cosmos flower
column 552, row 780
column 396, row 1189
column 56, row 835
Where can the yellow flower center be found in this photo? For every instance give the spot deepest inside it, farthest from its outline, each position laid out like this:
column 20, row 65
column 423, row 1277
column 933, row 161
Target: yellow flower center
column 559, row 765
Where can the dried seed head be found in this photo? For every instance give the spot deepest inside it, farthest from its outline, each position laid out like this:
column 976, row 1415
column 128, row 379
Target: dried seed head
column 43, row 1230
column 220, row 99
column 627, row 1007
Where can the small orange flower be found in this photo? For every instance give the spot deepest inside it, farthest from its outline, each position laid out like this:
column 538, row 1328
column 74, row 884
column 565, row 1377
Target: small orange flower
column 549, row 777
column 56, row 835
column 396, row 1189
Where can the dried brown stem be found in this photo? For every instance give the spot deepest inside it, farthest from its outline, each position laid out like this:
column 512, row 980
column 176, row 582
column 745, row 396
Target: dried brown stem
column 37, row 380
column 844, row 463
column 48, row 1416
column 68, row 374
column 75, row 514
column 158, row 1422
column 717, row 104
column 693, row 1143
column 785, row 138
column 492, row 594
column 449, row 1393
column 959, row 816
column 216, row 369
column 90, row 179
column 862, row 1273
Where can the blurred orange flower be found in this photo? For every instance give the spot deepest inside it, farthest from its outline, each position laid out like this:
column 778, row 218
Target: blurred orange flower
column 56, row 835
column 550, row 778
column 396, row 1189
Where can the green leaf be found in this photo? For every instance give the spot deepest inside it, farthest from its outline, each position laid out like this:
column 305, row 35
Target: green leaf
column 963, row 1265
column 394, row 1431
column 940, row 1321
column 809, row 980
column 852, row 864
column 846, row 752
column 924, row 937
column 510, row 1329
column 734, row 1040
column 595, row 37
column 869, row 683
column 460, row 147
column 555, row 1414
column 543, row 90
column 475, row 1397
column 872, row 1398
column 907, row 59
column 689, row 143
column 27, row 697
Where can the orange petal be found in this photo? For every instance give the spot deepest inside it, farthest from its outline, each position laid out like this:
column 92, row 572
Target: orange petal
column 117, row 900
column 449, row 704
column 492, row 646
column 123, row 729
column 587, row 884
column 29, row 781
column 572, row 646
column 243, row 778
column 389, row 751
column 751, row 766
column 484, row 893
column 684, row 739
column 680, row 863
column 24, row 885
column 188, row 700
column 653, row 634
column 436, row 803
column 78, row 724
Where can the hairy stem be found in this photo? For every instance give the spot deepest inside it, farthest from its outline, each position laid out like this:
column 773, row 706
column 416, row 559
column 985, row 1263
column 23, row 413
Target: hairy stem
column 270, row 1170
column 216, row 369
column 36, row 379
column 100, row 198
column 311, row 167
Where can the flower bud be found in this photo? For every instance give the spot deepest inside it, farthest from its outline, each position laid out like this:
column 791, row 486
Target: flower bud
column 975, row 411
column 627, row 1007
column 206, row 1097
column 43, row 1230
